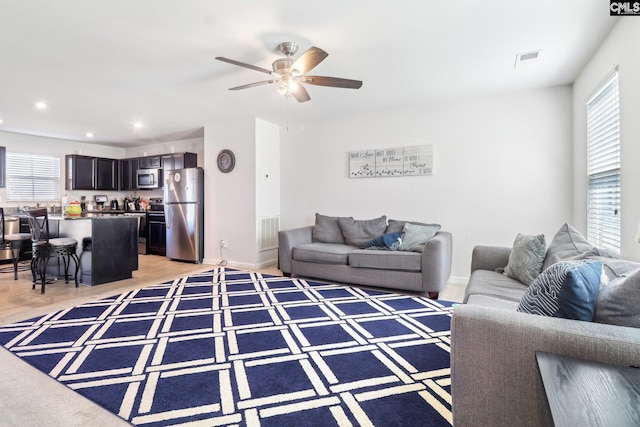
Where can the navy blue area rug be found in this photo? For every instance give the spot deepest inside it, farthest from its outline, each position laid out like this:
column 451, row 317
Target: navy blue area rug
column 228, row 347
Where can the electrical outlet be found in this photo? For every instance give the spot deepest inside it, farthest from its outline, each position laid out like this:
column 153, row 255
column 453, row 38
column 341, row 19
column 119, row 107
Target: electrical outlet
column 223, row 243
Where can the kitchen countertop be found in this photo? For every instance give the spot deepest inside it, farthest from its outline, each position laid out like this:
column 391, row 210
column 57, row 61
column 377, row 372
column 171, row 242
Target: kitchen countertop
column 90, row 215
column 113, row 211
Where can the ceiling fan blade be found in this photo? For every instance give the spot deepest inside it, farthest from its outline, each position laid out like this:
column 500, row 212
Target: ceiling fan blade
column 309, row 59
column 301, row 94
column 333, row 82
column 242, row 64
column 247, row 86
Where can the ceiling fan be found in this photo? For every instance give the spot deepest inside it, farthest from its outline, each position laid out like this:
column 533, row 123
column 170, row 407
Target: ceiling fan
column 290, row 74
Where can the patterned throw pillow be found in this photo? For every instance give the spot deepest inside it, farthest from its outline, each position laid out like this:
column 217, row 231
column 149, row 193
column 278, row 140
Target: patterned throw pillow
column 567, row 289
column 525, row 260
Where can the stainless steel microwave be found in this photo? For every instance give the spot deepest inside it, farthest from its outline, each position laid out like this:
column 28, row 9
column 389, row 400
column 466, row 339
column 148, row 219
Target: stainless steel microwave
column 149, row 178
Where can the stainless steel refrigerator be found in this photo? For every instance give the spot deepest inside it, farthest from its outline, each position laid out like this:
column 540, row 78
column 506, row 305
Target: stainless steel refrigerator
column 184, row 214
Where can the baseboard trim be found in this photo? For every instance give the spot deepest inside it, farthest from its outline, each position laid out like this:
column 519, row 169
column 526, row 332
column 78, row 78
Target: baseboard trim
column 457, row 280
column 241, row 265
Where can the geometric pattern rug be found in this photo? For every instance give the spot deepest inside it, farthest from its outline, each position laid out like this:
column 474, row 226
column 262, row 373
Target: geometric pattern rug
column 228, row 347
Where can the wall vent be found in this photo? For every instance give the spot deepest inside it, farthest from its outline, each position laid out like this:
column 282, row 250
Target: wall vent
column 526, row 58
column 268, row 232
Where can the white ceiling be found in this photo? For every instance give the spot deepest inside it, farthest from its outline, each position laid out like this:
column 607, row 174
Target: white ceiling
column 102, row 65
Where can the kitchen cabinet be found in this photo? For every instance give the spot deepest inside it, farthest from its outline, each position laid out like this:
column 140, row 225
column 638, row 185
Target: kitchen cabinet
column 107, row 246
column 106, row 174
column 128, row 168
column 151, row 162
column 80, row 172
column 91, row 173
column 179, row 161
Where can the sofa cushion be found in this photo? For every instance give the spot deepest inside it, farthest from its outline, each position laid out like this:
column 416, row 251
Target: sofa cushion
column 327, row 230
column 385, row 260
column 525, row 260
column 567, row 289
column 566, row 244
column 360, row 232
column 416, row 236
column 493, row 284
column 619, row 301
column 398, row 225
column 326, row 253
column 492, row 302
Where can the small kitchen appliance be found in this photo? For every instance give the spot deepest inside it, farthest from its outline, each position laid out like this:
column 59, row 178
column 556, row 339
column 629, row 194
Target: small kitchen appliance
column 100, row 201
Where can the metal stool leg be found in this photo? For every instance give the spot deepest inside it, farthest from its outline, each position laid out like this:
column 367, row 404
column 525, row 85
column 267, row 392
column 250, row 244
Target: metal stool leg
column 77, row 261
column 34, row 268
column 15, row 253
column 43, row 274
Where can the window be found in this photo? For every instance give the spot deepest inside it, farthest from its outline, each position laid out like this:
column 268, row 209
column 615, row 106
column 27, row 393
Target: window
column 33, row 177
column 603, row 166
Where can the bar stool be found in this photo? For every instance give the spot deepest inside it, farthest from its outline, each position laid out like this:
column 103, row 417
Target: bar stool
column 45, row 248
column 14, row 241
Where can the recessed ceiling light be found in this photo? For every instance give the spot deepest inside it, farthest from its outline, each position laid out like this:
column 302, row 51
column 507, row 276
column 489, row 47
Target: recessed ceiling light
column 41, row 105
column 1, row 121
column 137, row 125
column 89, row 134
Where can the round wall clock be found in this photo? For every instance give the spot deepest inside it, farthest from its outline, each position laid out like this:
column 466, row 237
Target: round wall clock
column 226, row 161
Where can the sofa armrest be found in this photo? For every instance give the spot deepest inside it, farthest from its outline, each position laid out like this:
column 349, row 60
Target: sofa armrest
column 494, row 372
column 489, row 257
column 287, row 240
column 436, row 262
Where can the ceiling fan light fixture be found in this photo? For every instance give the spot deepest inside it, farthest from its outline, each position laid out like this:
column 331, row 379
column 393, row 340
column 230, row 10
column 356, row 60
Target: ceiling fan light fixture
column 290, row 75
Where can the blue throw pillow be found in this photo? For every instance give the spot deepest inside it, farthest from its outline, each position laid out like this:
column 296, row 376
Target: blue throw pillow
column 390, row 241
column 567, row 289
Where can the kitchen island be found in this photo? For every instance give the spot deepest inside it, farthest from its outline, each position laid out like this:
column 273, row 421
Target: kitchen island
column 107, row 245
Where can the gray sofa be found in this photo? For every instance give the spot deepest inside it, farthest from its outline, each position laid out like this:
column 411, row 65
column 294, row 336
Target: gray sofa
column 322, row 251
column 495, row 376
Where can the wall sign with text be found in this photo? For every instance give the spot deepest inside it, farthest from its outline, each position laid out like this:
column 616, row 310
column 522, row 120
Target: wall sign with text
column 405, row 161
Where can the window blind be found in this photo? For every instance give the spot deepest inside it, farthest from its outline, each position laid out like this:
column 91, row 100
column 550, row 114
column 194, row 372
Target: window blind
column 33, row 177
column 603, row 166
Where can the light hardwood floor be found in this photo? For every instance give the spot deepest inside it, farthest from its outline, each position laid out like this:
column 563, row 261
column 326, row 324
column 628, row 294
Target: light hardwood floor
column 18, row 301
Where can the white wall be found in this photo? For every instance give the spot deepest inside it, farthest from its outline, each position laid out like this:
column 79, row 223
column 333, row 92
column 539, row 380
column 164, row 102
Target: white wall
column 619, row 48
column 231, row 199
column 230, row 202
column 502, row 166
column 267, row 184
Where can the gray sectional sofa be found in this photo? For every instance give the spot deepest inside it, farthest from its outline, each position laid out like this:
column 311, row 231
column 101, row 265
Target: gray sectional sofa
column 334, row 249
column 495, row 376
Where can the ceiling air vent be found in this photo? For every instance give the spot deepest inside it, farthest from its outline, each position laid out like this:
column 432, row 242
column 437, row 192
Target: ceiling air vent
column 526, row 58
